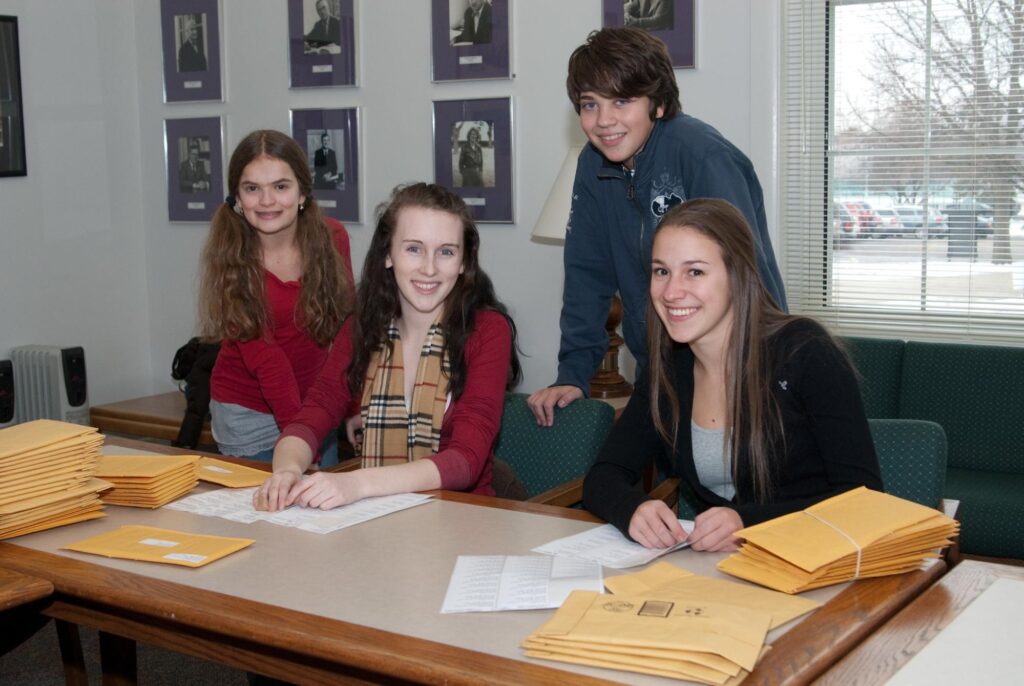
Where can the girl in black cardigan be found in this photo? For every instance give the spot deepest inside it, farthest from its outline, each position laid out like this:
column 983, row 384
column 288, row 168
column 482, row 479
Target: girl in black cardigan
column 757, row 410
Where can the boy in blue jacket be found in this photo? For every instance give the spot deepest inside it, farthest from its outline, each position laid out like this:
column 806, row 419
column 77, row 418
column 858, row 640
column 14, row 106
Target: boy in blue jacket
column 645, row 156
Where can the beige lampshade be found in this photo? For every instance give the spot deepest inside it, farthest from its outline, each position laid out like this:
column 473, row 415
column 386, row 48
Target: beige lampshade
column 555, row 215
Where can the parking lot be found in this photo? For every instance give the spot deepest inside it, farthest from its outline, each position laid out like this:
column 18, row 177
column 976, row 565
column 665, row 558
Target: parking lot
column 901, row 273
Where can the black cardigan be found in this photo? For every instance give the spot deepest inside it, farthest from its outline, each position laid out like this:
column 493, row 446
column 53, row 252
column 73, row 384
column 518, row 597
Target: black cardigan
column 827, row 446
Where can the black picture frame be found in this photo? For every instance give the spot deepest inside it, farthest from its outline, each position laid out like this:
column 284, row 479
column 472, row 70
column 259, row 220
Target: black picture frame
column 316, row 59
column 12, row 116
column 488, row 57
column 190, row 33
column 194, row 191
column 336, row 177
column 489, row 192
column 678, row 30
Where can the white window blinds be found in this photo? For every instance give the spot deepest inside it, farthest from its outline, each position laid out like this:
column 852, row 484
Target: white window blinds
column 902, row 150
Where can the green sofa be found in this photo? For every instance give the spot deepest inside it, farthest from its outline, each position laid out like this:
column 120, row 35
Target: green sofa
column 976, row 394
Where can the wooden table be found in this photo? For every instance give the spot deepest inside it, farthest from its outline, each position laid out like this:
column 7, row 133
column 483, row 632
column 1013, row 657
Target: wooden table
column 889, row 648
column 18, row 589
column 362, row 604
column 155, row 416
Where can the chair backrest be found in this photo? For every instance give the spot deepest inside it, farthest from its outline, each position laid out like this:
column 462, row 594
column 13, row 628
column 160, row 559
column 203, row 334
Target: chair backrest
column 912, row 456
column 878, row 362
column 545, row 457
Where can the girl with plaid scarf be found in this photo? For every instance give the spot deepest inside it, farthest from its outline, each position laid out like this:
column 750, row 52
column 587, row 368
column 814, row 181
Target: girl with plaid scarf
column 431, row 354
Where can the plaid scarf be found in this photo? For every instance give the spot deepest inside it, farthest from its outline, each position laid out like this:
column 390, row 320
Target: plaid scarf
column 393, row 434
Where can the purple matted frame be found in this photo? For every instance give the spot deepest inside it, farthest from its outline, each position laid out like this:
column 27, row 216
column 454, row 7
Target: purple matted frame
column 337, row 197
column 492, row 201
column 191, row 74
column 679, row 35
column 193, row 197
column 316, row 60
column 459, row 60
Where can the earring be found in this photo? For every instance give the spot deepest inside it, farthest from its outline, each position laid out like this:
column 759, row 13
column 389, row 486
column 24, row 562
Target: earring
column 301, row 206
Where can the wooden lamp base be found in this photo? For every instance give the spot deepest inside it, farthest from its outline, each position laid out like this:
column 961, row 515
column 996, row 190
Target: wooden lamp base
column 607, row 381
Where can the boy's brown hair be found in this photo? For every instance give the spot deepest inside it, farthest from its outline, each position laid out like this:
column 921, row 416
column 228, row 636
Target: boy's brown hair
column 625, row 63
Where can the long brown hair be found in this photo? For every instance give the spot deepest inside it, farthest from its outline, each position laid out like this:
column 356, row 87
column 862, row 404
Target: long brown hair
column 624, row 62
column 232, row 291
column 379, row 301
column 752, row 415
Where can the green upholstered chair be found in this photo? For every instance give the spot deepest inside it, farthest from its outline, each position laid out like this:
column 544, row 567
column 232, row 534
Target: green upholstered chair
column 878, row 362
column 551, row 461
column 912, row 456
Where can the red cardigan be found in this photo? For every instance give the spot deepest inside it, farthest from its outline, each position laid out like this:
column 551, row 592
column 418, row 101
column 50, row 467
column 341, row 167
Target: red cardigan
column 272, row 373
column 470, row 425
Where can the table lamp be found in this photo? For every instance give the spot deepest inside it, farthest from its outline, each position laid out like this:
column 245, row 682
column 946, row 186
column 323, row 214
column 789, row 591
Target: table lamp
column 550, row 227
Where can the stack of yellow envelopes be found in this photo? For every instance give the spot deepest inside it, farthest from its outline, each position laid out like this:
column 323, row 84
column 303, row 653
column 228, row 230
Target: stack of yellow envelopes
column 47, row 471
column 860, row 533
column 230, row 474
column 703, row 641
column 147, row 480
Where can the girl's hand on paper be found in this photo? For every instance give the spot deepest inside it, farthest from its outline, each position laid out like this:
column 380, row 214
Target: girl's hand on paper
column 272, row 496
column 713, row 530
column 654, row 525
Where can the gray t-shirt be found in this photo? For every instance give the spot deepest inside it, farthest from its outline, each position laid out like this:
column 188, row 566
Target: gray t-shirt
column 711, row 459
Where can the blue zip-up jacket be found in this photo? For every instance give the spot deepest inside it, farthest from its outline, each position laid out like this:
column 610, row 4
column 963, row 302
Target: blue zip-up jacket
column 611, row 232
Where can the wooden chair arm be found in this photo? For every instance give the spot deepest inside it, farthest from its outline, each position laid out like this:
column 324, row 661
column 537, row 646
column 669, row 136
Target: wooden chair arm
column 563, row 495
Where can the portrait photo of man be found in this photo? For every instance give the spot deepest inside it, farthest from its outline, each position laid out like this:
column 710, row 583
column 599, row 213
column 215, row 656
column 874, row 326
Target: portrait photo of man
column 471, row 22
column 193, row 172
column 651, row 15
column 191, row 42
column 324, row 35
column 327, row 175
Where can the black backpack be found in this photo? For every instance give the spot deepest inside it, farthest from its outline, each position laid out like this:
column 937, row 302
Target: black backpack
column 193, row 364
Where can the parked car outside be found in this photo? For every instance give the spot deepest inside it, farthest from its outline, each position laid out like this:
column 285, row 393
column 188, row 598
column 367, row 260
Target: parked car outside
column 867, row 220
column 844, row 225
column 912, row 217
column 889, row 222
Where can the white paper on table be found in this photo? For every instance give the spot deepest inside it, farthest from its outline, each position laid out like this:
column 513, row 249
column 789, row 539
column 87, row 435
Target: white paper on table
column 236, row 504
column 607, row 546
column 981, row 646
column 492, row 583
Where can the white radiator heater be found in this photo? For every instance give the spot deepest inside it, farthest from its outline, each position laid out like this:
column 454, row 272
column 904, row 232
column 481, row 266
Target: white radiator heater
column 50, row 383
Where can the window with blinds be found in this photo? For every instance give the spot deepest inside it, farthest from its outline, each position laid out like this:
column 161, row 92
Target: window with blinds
column 902, row 149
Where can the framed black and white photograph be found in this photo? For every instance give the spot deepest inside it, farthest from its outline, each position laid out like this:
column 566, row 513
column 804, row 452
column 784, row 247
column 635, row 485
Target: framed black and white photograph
column 331, row 141
column 12, row 121
column 473, row 154
column 322, row 43
column 673, row 21
column 191, row 40
column 470, row 39
column 195, row 168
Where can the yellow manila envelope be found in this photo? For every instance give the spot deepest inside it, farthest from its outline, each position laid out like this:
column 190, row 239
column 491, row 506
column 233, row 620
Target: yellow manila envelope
column 150, row 544
column 39, row 433
column 665, row 580
column 674, row 627
column 142, row 466
column 229, row 474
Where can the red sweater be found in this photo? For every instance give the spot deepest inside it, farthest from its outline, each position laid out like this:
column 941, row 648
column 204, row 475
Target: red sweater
column 470, row 424
column 272, row 373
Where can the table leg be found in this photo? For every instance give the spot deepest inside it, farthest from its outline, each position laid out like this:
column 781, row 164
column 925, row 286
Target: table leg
column 117, row 657
column 71, row 653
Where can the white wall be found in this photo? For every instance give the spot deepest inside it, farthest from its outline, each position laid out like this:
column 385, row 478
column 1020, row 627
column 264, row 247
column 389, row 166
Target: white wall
column 86, row 234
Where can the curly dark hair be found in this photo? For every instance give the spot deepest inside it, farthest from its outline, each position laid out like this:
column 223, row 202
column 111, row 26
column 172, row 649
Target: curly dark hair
column 379, row 302
column 624, row 63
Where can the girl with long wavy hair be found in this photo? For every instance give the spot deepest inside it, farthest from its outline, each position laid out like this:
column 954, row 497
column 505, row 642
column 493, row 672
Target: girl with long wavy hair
column 434, row 352
column 756, row 410
column 275, row 290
